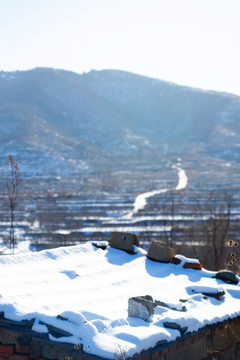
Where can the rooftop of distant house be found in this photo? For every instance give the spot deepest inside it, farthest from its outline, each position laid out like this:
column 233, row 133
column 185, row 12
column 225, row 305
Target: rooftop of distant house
column 103, row 297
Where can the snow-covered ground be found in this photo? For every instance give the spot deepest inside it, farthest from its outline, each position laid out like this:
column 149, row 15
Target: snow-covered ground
column 90, row 287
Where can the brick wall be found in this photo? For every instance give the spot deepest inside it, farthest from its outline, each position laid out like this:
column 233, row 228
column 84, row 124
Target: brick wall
column 23, row 344
column 216, row 342
column 14, row 352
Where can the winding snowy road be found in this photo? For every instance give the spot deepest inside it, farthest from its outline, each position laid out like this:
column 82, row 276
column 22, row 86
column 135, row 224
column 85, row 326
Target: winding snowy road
column 141, row 200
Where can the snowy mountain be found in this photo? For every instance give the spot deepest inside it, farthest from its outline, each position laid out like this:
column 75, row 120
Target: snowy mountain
column 91, row 146
column 58, row 121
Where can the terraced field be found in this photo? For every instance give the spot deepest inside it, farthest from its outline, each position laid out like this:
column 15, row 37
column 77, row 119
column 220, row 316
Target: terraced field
column 58, row 211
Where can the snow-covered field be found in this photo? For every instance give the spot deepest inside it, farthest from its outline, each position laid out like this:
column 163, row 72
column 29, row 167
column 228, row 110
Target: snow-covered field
column 124, row 218
column 90, row 287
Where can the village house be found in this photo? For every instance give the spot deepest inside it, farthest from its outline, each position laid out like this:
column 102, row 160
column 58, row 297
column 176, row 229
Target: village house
column 101, row 301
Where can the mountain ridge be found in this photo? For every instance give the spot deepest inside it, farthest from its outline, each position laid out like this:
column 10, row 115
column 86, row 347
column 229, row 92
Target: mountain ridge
column 94, row 116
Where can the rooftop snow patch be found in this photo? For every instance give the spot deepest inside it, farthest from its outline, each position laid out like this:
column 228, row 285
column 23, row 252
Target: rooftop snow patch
column 83, row 291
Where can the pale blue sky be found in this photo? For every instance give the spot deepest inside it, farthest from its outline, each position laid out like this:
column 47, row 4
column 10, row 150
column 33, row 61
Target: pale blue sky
column 189, row 42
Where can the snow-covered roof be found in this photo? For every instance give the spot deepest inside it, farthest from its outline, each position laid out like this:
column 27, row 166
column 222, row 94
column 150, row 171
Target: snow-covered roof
column 89, row 288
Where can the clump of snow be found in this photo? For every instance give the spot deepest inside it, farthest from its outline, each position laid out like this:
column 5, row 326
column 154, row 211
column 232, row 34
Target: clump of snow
column 40, row 328
column 185, row 260
column 84, row 290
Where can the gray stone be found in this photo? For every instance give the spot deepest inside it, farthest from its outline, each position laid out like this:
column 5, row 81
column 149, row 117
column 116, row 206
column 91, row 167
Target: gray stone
column 179, row 308
column 123, row 241
column 55, row 332
column 141, row 307
column 175, row 326
column 227, row 276
column 159, row 251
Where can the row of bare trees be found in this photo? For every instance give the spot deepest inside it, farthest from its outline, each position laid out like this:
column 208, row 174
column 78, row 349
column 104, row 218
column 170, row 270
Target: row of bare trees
column 210, row 230
column 204, row 231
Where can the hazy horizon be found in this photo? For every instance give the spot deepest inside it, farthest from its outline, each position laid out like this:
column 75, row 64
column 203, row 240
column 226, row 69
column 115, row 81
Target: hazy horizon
column 191, row 43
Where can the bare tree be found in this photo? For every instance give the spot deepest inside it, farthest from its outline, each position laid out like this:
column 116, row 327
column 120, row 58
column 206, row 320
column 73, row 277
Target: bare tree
column 169, row 210
column 210, row 229
column 12, row 183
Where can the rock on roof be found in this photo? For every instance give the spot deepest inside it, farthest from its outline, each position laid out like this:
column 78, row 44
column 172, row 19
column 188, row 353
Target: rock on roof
column 83, row 291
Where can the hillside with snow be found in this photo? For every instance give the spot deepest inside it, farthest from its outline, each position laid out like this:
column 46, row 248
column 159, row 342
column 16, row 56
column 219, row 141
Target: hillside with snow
column 103, row 151
column 71, row 121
